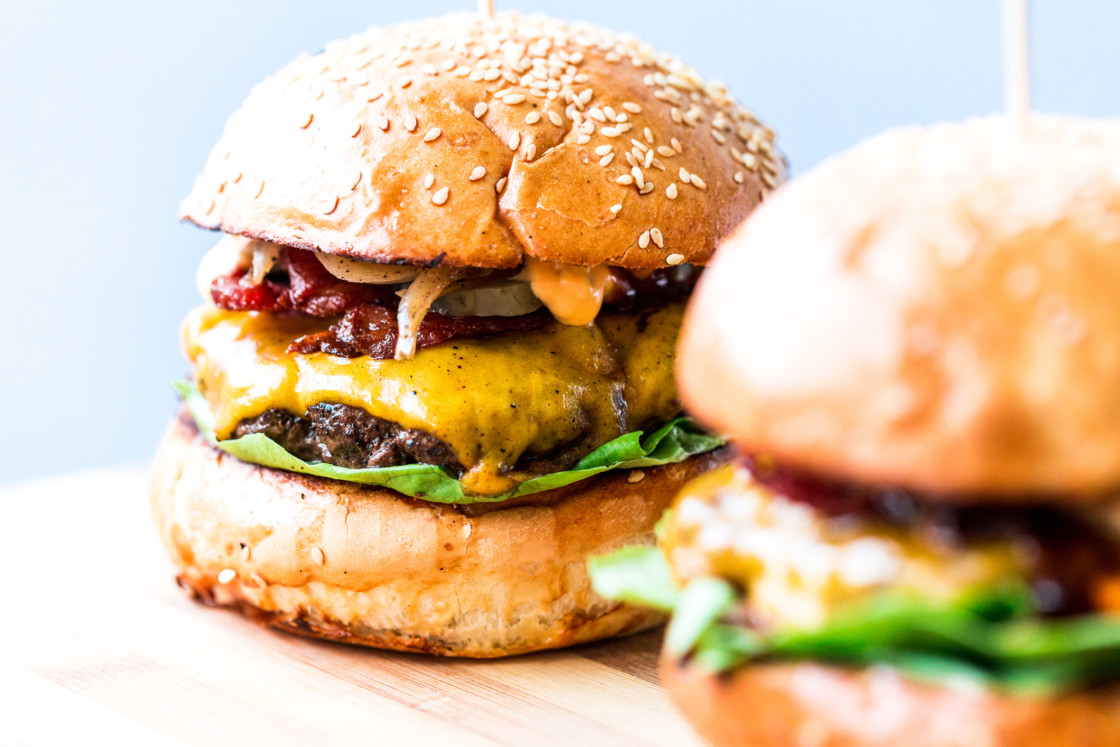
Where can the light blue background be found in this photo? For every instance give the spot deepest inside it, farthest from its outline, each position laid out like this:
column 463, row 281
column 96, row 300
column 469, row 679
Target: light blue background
column 108, row 109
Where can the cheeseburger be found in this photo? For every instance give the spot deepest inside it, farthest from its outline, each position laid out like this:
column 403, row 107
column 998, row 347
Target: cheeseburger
column 434, row 369
column 915, row 350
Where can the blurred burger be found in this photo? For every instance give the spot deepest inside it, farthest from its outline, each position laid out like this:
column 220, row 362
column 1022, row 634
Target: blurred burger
column 915, row 350
column 434, row 370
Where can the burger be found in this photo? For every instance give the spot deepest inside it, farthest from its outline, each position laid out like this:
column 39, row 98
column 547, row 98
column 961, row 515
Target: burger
column 915, row 351
column 433, row 371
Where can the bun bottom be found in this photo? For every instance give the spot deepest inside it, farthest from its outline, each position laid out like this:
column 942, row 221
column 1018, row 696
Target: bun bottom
column 369, row 566
column 814, row 705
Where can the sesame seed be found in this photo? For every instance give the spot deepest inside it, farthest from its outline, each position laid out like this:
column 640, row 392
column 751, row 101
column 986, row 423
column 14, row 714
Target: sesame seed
column 410, row 122
column 606, row 160
column 635, row 475
column 738, row 177
column 530, row 151
column 674, row 259
column 602, row 150
column 719, row 137
column 639, row 145
column 585, row 96
column 210, row 209
column 429, row 180
column 671, row 191
column 307, row 123
column 684, row 175
column 332, row 208
column 583, row 140
column 500, row 185
column 587, row 128
column 258, row 194
column 631, row 107
column 769, row 180
column 478, row 173
column 625, row 179
column 646, row 188
column 317, row 556
column 383, row 123
column 514, row 141
column 532, row 118
column 698, row 182
column 649, row 159
column 597, row 114
column 441, row 195
column 639, row 177
column 406, row 82
column 555, row 118
column 655, row 234
column 676, row 145
column 513, row 99
column 616, row 208
column 432, row 134
column 357, row 130
column 226, row 575
column 429, row 69
column 357, row 181
column 643, row 240
column 376, row 96
column 610, row 132
column 648, row 134
column 666, row 151
column 246, row 552
column 480, row 108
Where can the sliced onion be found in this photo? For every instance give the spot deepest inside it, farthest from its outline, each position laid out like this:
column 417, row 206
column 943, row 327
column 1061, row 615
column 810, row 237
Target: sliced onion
column 230, row 254
column 362, row 271
column 265, row 257
column 507, row 299
column 415, row 301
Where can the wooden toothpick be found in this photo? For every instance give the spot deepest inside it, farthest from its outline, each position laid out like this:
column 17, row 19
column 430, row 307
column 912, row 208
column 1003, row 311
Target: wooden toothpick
column 1016, row 62
column 486, row 8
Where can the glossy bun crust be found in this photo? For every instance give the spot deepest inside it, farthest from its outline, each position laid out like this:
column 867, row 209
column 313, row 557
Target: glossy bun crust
column 936, row 309
column 368, row 566
column 802, row 705
column 390, row 146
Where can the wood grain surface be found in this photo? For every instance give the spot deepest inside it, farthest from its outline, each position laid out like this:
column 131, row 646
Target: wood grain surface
column 97, row 643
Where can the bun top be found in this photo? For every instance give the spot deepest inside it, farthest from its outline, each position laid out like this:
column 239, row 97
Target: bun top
column 471, row 141
column 936, row 309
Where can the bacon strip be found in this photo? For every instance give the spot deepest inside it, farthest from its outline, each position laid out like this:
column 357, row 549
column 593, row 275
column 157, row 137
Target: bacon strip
column 310, row 290
column 371, row 329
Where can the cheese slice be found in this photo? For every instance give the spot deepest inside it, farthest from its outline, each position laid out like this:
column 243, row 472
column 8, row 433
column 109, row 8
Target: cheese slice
column 492, row 401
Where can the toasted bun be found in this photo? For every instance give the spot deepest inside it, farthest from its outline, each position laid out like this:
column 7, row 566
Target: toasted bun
column 368, row 566
column 810, row 705
column 334, row 152
column 935, row 309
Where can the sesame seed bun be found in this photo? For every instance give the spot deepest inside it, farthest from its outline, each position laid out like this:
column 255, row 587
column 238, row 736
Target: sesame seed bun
column 473, row 142
column 368, row 566
column 935, row 309
column 809, row 705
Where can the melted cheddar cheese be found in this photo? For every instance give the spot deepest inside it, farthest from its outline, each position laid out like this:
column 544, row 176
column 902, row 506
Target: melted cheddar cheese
column 797, row 566
column 492, row 401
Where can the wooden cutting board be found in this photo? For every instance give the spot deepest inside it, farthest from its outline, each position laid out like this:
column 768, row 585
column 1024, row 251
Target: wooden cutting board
column 98, row 643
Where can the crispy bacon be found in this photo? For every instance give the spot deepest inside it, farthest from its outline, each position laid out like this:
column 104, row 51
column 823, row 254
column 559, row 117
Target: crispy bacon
column 371, row 329
column 310, row 290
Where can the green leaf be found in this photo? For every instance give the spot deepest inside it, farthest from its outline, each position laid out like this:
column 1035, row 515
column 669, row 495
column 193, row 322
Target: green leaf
column 639, row 575
column 673, row 442
column 991, row 637
column 701, row 604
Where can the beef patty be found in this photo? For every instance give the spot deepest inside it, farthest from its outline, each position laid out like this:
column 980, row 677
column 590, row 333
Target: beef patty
column 348, row 436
